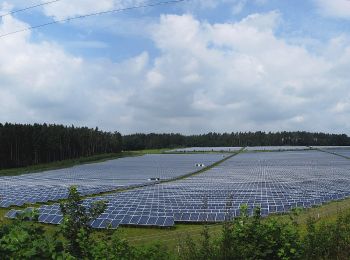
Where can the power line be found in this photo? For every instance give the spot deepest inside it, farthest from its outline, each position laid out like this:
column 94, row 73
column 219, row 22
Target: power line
column 93, row 14
column 29, row 7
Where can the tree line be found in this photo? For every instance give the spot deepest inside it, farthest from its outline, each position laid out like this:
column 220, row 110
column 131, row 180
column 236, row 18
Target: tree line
column 156, row 141
column 244, row 237
column 23, row 145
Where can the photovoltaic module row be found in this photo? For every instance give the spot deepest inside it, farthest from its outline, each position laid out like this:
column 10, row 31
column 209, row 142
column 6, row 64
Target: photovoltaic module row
column 205, row 149
column 276, row 148
column 343, row 151
column 235, row 149
column 100, row 177
column 274, row 181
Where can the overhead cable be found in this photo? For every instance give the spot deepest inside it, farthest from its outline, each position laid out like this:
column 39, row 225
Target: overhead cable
column 29, row 7
column 94, row 14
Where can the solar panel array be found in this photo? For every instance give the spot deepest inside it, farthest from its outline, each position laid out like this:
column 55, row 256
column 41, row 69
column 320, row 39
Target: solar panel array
column 331, row 147
column 275, row 148
column 205, row 149
column 99, row 177
column 274, row 181
column 343, row 151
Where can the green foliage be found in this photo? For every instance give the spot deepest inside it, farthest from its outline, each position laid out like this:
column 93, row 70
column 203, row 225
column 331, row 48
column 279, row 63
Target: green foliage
column 25, row 145
column 250, row 238
column 112, row 248
column 188, row 249
column 76, row 226
column 256, row 238
column 153, row 252
column 157, row 141
column 26, row 240
column 328, row 240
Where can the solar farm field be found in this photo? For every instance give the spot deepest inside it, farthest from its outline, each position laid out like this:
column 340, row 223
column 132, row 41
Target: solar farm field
column 339, row 150
column 205, row 149
column 276, row 148
column 274, row 181
column 99, row 177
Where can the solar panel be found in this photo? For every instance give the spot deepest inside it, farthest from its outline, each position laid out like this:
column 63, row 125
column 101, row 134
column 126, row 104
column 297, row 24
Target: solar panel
column 169, row 222
column 143, row 220
column 274, row 181
column 11, row 214
column 99, row 177
column 152, row 221
column 205, row 149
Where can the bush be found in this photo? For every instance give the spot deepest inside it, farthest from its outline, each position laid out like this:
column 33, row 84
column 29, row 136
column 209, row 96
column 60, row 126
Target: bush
column 26, row 240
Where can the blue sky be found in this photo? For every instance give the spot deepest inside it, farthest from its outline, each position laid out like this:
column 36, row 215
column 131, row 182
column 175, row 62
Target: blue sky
column 193, row 67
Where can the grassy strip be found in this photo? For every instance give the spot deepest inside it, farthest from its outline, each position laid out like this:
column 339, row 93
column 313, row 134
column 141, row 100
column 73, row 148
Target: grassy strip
column 66, row 163
column 204, row 169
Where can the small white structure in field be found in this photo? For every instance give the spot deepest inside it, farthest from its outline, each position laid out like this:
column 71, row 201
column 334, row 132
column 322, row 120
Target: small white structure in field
column 154, row 179
column 200, row 165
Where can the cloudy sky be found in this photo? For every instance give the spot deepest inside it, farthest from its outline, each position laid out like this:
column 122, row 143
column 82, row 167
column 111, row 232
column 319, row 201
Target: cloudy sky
column 193, row 67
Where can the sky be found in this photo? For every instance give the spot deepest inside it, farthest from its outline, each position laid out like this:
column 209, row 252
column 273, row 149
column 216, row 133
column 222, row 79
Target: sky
column 192, row 67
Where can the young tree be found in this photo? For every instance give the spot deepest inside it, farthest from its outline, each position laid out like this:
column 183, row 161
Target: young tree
column 76, row 226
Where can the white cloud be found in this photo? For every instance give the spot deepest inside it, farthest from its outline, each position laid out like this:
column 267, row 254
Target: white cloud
column 248, row 77
column 41, row 82
column 68, row 9
column 5, row 8
column 334, row 8
column 263, row 22
column 206, row 77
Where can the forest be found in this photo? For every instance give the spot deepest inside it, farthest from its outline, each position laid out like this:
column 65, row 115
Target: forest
column 24, row 144
column 156, row 141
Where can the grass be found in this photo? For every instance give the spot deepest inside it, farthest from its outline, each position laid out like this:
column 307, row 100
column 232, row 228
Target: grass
column 202, row 170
